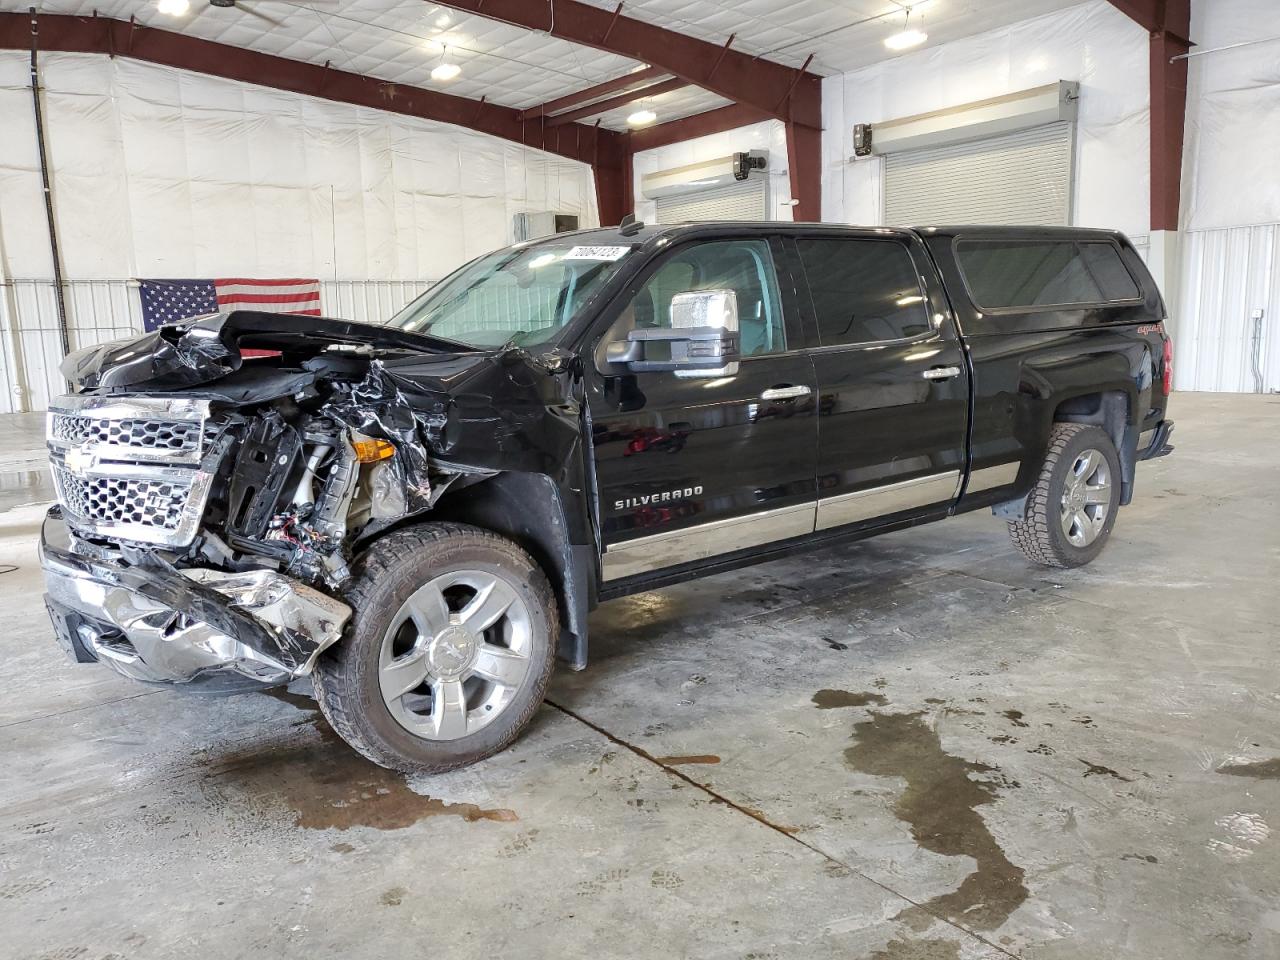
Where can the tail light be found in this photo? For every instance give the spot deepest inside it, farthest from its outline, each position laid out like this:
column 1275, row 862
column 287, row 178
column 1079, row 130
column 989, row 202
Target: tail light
column 1167, row 365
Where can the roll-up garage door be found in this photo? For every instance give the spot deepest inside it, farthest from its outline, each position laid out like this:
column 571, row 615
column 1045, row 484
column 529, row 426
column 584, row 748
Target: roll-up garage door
column 1022, row 177
column 745, row 200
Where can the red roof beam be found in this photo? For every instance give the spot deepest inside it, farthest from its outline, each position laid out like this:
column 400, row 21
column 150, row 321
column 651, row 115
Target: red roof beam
column 603, row 106
column 102, row 35
column 719, row 120
column 589, row 94
column 771, row 88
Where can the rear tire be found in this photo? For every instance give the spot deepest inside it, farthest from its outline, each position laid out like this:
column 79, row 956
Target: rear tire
column 466, row 623
column 1072, row 507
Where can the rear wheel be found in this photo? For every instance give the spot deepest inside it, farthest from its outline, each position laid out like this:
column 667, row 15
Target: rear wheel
column 449, row 651
column 1072, row 508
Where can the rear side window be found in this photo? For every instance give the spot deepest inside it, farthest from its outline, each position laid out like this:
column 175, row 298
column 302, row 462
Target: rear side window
column 863, row 291
column 1109, row 270
column 1038, row 273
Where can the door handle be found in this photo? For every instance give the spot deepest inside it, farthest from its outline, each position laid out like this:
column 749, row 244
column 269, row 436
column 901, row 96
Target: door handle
column 785, row 393
column 941, row 373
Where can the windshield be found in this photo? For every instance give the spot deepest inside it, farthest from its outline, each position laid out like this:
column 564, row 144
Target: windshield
column 521, row 295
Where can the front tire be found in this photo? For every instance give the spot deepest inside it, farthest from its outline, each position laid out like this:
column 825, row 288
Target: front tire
column 449, row 650
column 1072, row 508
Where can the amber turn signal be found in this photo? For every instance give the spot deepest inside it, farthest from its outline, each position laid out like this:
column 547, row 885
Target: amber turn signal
column 371, row 451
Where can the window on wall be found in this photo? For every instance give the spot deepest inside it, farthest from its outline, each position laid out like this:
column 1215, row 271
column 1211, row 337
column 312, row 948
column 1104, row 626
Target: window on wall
column 1032, row 273
column 863, row 290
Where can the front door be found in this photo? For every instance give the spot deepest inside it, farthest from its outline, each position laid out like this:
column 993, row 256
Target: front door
column 691, row 467
column 892, row 380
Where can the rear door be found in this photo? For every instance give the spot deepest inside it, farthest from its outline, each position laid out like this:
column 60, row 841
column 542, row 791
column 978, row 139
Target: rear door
column 695, row 467
column 893, row 387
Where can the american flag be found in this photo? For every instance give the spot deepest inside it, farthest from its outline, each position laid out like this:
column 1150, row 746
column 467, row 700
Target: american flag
column 168, row 301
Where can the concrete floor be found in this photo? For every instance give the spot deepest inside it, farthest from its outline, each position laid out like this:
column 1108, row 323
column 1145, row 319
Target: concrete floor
column 913, row 747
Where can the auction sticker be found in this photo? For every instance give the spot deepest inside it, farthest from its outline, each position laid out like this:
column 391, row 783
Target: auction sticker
column 597, row 253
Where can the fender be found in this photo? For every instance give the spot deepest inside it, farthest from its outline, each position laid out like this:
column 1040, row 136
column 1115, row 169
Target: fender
column 529, row 509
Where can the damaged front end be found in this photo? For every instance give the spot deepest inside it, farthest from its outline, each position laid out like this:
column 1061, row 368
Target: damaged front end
column 210, row 507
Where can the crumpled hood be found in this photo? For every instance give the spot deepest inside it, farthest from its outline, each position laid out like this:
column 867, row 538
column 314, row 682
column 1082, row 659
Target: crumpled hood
column 206, row 348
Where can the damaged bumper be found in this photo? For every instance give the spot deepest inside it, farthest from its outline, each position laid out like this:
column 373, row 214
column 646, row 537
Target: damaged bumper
column 163, row 625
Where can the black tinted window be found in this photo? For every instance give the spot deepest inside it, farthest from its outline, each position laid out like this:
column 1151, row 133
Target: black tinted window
column 1034, row 273
column 863, row 290
column 1109, row 270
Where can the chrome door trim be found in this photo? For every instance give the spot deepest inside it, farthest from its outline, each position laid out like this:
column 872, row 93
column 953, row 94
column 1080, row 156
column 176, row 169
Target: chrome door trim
column 673, row 547
column 891, row 498
column 988, row 478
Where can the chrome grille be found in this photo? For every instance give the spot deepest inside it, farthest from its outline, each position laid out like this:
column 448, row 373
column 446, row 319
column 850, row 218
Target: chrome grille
column 147, row 434
column 133, row 469
column 102, row 500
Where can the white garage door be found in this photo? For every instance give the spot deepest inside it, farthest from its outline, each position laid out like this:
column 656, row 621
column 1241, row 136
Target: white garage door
column 1022, row 177
column 744, row 200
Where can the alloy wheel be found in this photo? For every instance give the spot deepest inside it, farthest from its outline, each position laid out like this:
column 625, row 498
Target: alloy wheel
column 455, row 654
column 1086, row 498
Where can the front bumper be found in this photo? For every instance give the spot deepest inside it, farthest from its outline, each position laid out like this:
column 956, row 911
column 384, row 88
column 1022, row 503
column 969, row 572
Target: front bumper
column 160, row 624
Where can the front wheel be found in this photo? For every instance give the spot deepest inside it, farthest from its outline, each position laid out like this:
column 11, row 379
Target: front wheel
column 448, row 653
column 1072, row 508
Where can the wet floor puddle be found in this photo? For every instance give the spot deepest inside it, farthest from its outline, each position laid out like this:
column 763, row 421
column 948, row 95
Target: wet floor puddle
column 326, row 785
column 940, row 804
column 1260, row 769
column 918, row 950
column 22, row 487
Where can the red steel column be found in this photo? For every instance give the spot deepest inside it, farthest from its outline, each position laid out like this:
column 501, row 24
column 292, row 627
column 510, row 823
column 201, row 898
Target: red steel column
column 1168, row 118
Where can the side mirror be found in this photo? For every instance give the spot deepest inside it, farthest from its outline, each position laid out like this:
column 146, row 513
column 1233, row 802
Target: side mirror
column 702, row 340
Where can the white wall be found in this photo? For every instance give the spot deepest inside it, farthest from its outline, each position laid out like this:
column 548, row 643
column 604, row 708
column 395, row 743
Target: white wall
column 1231, row 176
column 1231, row 201
column 1093, row 43
column 768, row 135
column 165, row 173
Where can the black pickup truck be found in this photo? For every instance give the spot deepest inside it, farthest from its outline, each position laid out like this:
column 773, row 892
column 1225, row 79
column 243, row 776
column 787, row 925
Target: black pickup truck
column 419, row 515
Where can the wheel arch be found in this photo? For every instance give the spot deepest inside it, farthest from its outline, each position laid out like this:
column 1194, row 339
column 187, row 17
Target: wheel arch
column 1115, row 411
column 527, row 509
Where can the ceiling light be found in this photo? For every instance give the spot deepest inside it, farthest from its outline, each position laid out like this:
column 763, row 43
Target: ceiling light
column 908, row 38
column 905, row 40
column 443, row 21
column 642, row 118
column 173, row 8
column 444, row 69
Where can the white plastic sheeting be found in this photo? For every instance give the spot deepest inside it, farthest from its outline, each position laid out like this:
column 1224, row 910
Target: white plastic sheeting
column 1229, row 274
column 1231, row 202
column 1092, row 43
column 768, row 135
column 167, row 173
column 1233, row 116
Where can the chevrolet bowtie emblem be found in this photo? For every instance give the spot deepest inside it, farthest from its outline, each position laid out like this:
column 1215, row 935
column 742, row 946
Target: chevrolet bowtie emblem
column 80, row 459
